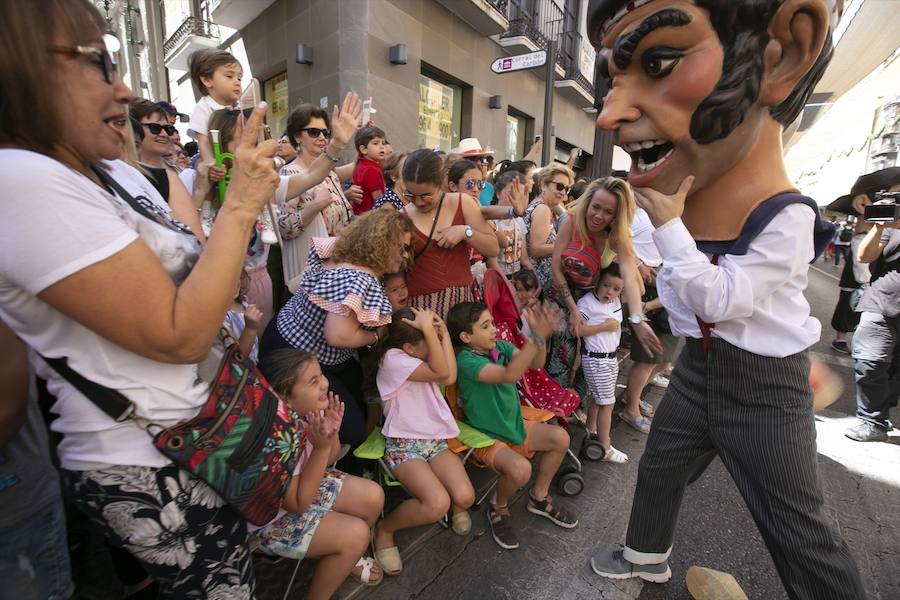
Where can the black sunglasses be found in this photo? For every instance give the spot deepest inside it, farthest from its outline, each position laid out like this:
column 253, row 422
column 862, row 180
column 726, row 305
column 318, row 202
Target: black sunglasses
column 488, row 160
column 157, row 128
column 315, row 132
column 560, row 187
column 98, row 57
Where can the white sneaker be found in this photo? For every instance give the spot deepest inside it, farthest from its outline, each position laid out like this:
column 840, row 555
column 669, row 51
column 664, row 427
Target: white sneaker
column 615, row 456
column 660, row 380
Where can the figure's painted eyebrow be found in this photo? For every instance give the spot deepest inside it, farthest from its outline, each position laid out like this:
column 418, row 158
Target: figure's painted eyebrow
column 626, row 45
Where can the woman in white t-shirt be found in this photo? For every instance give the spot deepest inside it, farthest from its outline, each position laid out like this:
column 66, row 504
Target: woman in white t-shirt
column 120, row 290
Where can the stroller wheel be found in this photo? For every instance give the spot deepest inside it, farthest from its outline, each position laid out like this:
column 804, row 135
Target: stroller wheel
column 570, row 484
column 592, row 450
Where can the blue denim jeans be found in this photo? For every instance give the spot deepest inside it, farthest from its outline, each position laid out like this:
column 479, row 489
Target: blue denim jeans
column 34, row 558
column 876, row 354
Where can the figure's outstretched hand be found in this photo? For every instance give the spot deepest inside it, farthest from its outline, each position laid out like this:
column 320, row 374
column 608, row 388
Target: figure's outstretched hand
column 662, row 208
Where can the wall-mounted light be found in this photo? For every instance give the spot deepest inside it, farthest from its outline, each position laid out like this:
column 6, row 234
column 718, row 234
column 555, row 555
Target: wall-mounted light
column 397, row 54
column 495, row 102
column 304, row 54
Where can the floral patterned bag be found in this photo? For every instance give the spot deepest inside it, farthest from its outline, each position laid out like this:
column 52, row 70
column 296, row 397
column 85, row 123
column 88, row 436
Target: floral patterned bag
column 244, row 442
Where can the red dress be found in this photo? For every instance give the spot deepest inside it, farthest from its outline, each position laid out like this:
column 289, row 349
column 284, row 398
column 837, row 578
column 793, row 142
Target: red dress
column 439, row 277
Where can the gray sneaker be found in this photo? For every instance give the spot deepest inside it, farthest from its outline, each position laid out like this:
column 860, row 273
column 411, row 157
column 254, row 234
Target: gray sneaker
column 612, row 564
column 866, row 431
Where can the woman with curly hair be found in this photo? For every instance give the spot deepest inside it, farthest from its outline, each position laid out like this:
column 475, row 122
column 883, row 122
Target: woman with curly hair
column 340, row 305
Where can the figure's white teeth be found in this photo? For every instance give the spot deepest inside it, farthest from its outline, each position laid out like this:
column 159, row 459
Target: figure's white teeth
column 645, row 144
column 644, row 168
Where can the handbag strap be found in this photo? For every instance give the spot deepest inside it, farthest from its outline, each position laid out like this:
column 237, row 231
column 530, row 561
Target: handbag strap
column 112, row 402
column 141, row 204
column 437, row 214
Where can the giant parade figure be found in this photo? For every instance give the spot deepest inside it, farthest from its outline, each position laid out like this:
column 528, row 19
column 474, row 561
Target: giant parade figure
column 699, row 94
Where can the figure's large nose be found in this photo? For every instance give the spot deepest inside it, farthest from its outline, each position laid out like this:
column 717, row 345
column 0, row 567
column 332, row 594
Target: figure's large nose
column 618, row 109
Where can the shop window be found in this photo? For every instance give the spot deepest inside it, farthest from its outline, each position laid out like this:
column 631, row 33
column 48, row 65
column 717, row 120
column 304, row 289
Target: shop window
column 515, row 137
column 440, row 114
column 276, row 95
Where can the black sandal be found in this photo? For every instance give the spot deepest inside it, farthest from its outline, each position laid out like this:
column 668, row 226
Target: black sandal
column 545, row 508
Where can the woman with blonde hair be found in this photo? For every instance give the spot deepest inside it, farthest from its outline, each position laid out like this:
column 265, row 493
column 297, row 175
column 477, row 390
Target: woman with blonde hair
column 596, row 233
column 340, row 305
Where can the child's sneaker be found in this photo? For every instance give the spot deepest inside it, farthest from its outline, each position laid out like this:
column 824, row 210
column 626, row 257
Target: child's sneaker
column 615, row 456
column 501, row 529
column 545, row 508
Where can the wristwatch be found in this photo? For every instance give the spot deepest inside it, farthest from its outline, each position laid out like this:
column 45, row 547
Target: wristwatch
column 469, row 231
column 635, row 319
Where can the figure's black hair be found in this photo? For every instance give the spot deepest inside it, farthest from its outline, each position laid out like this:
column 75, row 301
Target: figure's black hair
column 742, row 27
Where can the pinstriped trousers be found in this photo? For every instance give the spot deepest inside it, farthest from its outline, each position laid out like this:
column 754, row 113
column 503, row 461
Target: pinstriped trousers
column 755, row 413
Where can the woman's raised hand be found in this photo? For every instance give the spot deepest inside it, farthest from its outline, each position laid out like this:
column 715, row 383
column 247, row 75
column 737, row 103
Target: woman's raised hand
column 345, row 122
column 253, row 177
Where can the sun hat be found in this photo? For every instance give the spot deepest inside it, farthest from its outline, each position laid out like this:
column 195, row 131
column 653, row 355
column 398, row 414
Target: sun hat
column 472, row 147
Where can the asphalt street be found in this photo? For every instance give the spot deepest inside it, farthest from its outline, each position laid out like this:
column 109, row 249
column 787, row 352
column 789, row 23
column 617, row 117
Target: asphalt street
column 861, row 484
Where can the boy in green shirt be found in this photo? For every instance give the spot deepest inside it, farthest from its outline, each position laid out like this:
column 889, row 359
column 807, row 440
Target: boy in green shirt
column 488, row 370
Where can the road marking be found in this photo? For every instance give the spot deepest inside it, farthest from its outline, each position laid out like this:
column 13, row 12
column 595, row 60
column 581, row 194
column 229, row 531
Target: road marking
column 825, row 273
column 831, row 359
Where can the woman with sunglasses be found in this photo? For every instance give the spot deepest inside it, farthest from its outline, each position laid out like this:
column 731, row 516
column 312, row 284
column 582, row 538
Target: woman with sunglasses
column 114, row 285
column 320, row 212
column 465, row 177
column 447, row 226
column 156, row 144
column 539, row 219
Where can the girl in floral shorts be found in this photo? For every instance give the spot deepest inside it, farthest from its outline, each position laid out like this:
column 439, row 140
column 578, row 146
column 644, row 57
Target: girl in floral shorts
column 325, row 513
column 414, row 358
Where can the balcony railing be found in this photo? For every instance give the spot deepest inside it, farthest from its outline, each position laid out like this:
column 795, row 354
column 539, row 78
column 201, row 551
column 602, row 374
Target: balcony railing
column 570, row 60
column 538, row 20
column 500, row 5
column 190, row 26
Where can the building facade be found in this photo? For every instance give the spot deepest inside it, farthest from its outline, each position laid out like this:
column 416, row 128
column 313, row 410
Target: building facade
column 435, row 89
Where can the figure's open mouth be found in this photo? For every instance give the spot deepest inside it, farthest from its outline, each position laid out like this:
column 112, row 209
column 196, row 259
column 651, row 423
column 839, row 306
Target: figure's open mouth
column 649, row 154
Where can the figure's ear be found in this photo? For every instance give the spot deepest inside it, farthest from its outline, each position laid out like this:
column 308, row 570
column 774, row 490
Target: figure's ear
column 797, row 34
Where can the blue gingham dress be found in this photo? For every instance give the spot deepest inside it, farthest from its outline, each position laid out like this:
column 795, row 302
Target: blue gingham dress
column 342, row 291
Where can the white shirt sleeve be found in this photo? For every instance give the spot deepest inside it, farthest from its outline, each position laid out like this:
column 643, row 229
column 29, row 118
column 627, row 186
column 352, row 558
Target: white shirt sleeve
column 728, row 291
column 199, row 123
column 53, row 224
column 861, row 272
